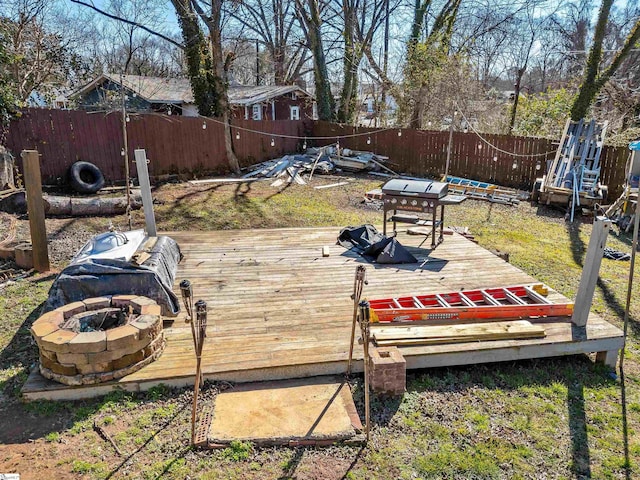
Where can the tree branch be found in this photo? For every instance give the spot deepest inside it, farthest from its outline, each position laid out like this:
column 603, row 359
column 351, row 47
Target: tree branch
column 129, row 22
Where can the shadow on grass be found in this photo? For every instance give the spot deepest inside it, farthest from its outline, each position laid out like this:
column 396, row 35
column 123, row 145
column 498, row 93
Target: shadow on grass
column 576, row 373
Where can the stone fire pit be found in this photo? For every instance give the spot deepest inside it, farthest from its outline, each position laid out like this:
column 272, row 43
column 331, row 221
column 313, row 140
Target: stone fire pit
column 99, row 339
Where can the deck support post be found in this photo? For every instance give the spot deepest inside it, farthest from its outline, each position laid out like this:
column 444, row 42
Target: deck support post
column 590, row 270
column 609, row 358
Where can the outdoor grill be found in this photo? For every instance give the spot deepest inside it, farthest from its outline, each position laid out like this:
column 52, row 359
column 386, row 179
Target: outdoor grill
column 418, row 196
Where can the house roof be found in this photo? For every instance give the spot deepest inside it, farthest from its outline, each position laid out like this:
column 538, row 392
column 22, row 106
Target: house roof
column 178, row 90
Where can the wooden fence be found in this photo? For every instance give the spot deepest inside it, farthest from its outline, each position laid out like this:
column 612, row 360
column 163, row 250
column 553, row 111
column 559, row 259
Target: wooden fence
column 181, row 145
column 174, row 144
column 424, row 152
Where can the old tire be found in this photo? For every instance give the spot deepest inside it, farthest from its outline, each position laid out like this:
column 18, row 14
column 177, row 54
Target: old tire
column 85, row 177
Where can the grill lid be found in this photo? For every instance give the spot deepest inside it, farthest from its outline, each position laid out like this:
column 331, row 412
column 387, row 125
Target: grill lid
column 415, row 188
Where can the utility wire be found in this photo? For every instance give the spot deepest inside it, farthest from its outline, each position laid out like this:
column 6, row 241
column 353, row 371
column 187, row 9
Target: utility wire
column 525, row 155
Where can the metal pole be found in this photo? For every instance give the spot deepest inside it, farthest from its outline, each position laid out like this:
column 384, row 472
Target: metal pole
column 200, row 333
column 357, row 294
column 364, row 326
column 635, row 158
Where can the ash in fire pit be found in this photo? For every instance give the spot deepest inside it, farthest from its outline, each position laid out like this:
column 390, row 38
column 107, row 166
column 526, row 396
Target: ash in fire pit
column 97, row 320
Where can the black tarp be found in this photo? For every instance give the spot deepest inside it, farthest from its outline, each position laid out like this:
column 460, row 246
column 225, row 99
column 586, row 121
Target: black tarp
column 373, row 245
column 106, row 277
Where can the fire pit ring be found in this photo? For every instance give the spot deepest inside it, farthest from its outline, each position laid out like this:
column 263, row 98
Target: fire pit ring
column 99, row 339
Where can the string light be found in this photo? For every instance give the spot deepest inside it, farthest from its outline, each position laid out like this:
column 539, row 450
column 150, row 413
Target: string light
column 304, row 145
column 515, row 165
column 399, row 132
column 237, row 135
column 465, row 130
column 538, row 165
column 127, row 119
column 479, row 146
column 168, row 111
column 204, row 125
column 429, row 123
column 122, row 152
column 368, row 140
column 273, row 142
column 495, row 158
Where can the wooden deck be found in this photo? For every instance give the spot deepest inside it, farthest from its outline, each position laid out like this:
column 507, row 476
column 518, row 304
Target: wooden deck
column 279, row 309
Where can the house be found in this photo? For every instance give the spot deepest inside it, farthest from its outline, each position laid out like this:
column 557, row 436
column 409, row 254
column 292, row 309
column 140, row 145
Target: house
column 174, row 96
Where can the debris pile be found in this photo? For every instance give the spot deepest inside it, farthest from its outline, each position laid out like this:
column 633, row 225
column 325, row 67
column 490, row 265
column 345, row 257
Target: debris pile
column 324, row 160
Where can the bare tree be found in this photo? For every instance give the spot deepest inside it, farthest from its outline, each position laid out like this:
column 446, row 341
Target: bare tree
column 276, row 27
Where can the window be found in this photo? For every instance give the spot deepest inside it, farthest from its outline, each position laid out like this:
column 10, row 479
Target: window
column 256, row 112
column 295, row 113
column 314, row 111
column 246, row 112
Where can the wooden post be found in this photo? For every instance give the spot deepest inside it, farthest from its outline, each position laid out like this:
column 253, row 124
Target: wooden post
column 590, row 270
column 145, row 191
column 35, row 209
column 450, row 146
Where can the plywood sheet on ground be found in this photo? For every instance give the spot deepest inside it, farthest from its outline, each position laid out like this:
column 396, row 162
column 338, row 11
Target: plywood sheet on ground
column 318, row 409
column 279, row 309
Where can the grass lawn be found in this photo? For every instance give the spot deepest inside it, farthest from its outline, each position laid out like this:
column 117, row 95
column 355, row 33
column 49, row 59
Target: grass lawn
column 550, row 418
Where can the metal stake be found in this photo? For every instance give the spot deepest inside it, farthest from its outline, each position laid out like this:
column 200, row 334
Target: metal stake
column 358, row 281
column 364, row 318
column 200, row 332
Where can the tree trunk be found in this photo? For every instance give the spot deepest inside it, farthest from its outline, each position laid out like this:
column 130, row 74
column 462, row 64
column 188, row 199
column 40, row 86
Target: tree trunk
column 199, row 65
column 516, row 97
column 324, row 98
column 223, row 109
column 588, row 89
column 350, row 66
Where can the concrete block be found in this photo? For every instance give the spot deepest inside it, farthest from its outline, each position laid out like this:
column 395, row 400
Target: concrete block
column 96, row 303
column 57, row 341
column 70, row 309
column 39, row 330
column 94, row 368
column 149, row 325
column 89, row 342
column 128, row 360
column 122, row 337
column 53, row 317
column 120, row 301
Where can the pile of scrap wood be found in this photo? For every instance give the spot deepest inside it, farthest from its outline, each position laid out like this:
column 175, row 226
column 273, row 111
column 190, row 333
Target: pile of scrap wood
column 461, row 333
column 324, row 160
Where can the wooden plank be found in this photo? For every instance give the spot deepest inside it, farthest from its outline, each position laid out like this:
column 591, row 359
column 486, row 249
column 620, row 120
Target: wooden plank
column 278, row 309
column 35, row 209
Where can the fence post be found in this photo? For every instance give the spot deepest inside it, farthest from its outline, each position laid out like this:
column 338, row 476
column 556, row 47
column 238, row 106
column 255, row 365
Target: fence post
column 145, row 191
column 35, row 209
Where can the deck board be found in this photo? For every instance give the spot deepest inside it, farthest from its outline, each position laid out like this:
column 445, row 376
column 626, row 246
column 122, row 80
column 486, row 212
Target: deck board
column 279, row 309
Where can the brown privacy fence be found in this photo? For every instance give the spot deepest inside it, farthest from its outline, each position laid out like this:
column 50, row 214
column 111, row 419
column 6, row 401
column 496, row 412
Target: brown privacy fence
column 181, row 145
column 424, row 152
column 174, row 144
